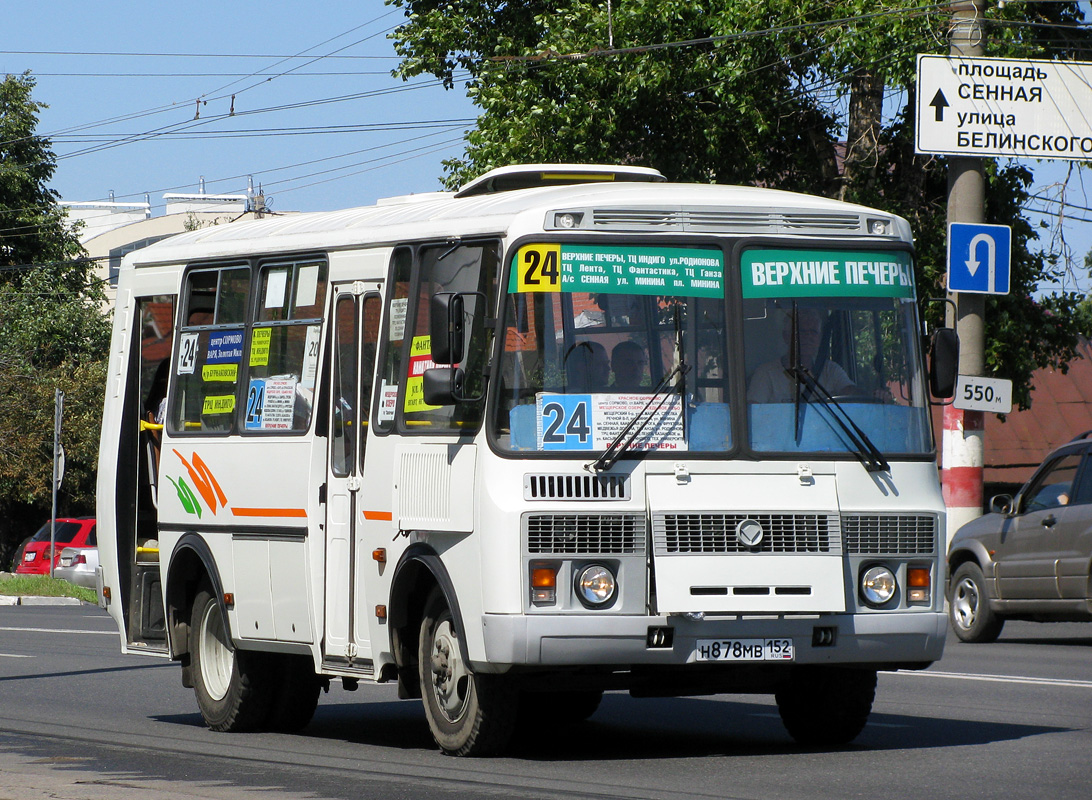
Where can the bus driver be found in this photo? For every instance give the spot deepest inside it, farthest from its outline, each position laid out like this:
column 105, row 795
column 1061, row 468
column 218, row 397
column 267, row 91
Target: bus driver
column 772, row 382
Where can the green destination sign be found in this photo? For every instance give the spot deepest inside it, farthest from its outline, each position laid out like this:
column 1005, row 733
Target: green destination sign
column 618, row 270
column 826, row 273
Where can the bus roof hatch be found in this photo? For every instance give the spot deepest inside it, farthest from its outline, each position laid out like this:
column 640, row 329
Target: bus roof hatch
column 528, row 176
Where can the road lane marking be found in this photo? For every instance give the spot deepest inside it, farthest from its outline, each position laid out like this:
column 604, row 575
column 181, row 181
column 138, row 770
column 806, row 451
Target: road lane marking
column 970, row 676
column 59, row 630
column 13, row 655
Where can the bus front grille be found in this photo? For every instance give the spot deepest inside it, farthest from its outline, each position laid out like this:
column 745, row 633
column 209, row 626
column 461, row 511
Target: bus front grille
column 716, row 533
column 585, row 534
column 876, row 534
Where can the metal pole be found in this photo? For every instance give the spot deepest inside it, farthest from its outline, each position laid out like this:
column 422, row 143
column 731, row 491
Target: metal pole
column 963, row 437
column 58, row 409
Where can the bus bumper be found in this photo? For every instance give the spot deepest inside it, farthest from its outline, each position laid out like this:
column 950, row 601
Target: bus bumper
column 887, row 640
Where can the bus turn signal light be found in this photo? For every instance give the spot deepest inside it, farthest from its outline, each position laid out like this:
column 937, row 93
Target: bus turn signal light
column 543, row 586
column 917, row 579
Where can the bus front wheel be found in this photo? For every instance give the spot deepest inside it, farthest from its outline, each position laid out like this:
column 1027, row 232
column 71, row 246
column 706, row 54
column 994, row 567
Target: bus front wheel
column 469, row 714
column 824, row 706
column 232, row 689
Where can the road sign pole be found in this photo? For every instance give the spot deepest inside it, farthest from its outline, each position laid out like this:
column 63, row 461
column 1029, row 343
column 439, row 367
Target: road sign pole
column 963, row 434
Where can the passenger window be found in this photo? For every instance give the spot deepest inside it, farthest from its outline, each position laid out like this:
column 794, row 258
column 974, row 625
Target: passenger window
column 209, row 350
column 284, row 347
column 1082, row 493
column 464, row 268
column 1053, row 488
column 390, row 367
column 343, row 414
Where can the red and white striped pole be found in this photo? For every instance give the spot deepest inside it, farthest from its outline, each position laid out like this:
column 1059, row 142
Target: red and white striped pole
column 962, row 460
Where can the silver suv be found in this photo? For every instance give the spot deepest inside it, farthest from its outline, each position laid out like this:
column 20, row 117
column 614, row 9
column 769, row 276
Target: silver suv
column 1031, row 557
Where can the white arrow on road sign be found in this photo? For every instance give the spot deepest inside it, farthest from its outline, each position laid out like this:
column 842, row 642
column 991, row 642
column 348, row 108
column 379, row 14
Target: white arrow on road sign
column 991, row 259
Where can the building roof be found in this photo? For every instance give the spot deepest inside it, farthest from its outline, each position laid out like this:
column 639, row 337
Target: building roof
column 1061, row 409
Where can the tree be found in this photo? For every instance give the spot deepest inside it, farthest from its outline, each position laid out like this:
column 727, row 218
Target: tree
column 765, row 92
column 53, row 333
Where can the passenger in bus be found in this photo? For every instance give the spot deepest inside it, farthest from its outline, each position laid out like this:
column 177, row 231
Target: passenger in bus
column 772, row 383
column 628, row 361
column 587, row 367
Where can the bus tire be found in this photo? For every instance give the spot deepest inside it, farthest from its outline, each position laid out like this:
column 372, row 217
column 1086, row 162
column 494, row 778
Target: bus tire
column 969, row 607
column 297, row 693
column 232, row 686
column 468, row 714
column 824, row 706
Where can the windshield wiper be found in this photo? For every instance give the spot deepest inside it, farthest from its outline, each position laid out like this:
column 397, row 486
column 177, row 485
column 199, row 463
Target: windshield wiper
column 636, row 426
column 867, row 452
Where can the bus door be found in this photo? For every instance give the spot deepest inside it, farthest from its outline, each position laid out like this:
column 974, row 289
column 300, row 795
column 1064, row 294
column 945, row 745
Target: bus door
column 356, row 313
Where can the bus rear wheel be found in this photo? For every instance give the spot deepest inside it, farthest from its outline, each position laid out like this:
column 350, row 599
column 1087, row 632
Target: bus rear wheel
column 233, row 688
column 826, row 706
column 469, row 714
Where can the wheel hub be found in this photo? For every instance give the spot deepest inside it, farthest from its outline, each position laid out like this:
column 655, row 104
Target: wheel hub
column 450, row 676
column 965, row 602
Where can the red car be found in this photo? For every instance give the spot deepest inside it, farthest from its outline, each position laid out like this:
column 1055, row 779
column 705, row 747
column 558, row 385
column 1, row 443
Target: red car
column 75, row 532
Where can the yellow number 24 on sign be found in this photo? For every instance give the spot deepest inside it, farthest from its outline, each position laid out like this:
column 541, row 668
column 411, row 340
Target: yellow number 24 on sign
column 539, row 268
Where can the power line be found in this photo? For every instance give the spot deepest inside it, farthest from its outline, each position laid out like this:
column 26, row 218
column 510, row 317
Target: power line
column 244, row 133
column 116, row 54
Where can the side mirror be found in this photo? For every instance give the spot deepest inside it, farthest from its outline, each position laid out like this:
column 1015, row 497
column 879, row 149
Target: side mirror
column 443, row 386
column 1001, row 504
column 446, row 327
column 943, row 362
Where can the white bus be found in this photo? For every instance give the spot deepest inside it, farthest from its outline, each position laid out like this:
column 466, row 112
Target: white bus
column 567, row 430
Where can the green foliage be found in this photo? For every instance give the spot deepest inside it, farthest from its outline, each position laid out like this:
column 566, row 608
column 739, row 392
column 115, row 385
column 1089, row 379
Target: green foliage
column 32, row 227
column 43, row 586
column 53, row 331
column 750, row 92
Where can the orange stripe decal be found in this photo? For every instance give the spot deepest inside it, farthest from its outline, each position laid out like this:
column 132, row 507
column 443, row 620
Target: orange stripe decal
column 269, row 512
column 385, row 516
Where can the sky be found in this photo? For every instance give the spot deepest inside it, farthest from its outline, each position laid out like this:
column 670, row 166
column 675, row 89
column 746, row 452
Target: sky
column 318, row 120
column 140, row 100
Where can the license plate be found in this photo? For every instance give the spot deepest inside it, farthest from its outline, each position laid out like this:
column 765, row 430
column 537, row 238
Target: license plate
column 28, row 556
column 745, row 650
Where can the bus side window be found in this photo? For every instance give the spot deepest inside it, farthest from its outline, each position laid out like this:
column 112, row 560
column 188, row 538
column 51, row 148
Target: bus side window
column 470, row 268
column 282, row 368
column 209, row 351
column 389, row 374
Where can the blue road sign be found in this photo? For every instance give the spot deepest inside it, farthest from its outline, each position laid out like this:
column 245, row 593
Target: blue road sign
column 979, row 258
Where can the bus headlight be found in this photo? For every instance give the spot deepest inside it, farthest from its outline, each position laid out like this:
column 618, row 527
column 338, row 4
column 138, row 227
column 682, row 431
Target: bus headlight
column 878, row 585
column 595, row 585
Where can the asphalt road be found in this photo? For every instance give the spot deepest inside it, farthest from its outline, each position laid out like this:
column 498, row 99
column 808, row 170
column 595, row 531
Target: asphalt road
column 80, row 721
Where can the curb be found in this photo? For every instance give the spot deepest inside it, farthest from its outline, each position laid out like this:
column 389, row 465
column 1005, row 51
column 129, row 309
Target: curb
column 28, row 600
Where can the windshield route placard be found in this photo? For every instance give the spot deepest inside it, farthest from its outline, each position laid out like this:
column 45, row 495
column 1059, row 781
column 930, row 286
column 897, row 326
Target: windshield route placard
column 826, row 273
column 592, row 421
column 691, row 272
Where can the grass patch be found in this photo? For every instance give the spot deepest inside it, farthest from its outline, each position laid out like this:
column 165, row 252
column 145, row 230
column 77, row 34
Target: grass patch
column 44, row 586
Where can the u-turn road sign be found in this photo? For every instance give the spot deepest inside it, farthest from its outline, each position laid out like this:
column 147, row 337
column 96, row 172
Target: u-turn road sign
column 979, row 258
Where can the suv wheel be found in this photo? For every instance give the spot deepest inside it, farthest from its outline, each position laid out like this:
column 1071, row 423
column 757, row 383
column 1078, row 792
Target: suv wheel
column 969, row 607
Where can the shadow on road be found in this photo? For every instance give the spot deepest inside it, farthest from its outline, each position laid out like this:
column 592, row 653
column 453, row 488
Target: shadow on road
column 625, row 728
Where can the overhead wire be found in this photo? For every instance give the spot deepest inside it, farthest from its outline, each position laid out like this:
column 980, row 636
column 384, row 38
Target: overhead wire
column 184, row 131
column 183, row 103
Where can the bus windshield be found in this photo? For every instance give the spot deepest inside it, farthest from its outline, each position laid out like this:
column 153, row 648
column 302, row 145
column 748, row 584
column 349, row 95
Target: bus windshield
column 819, row 353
